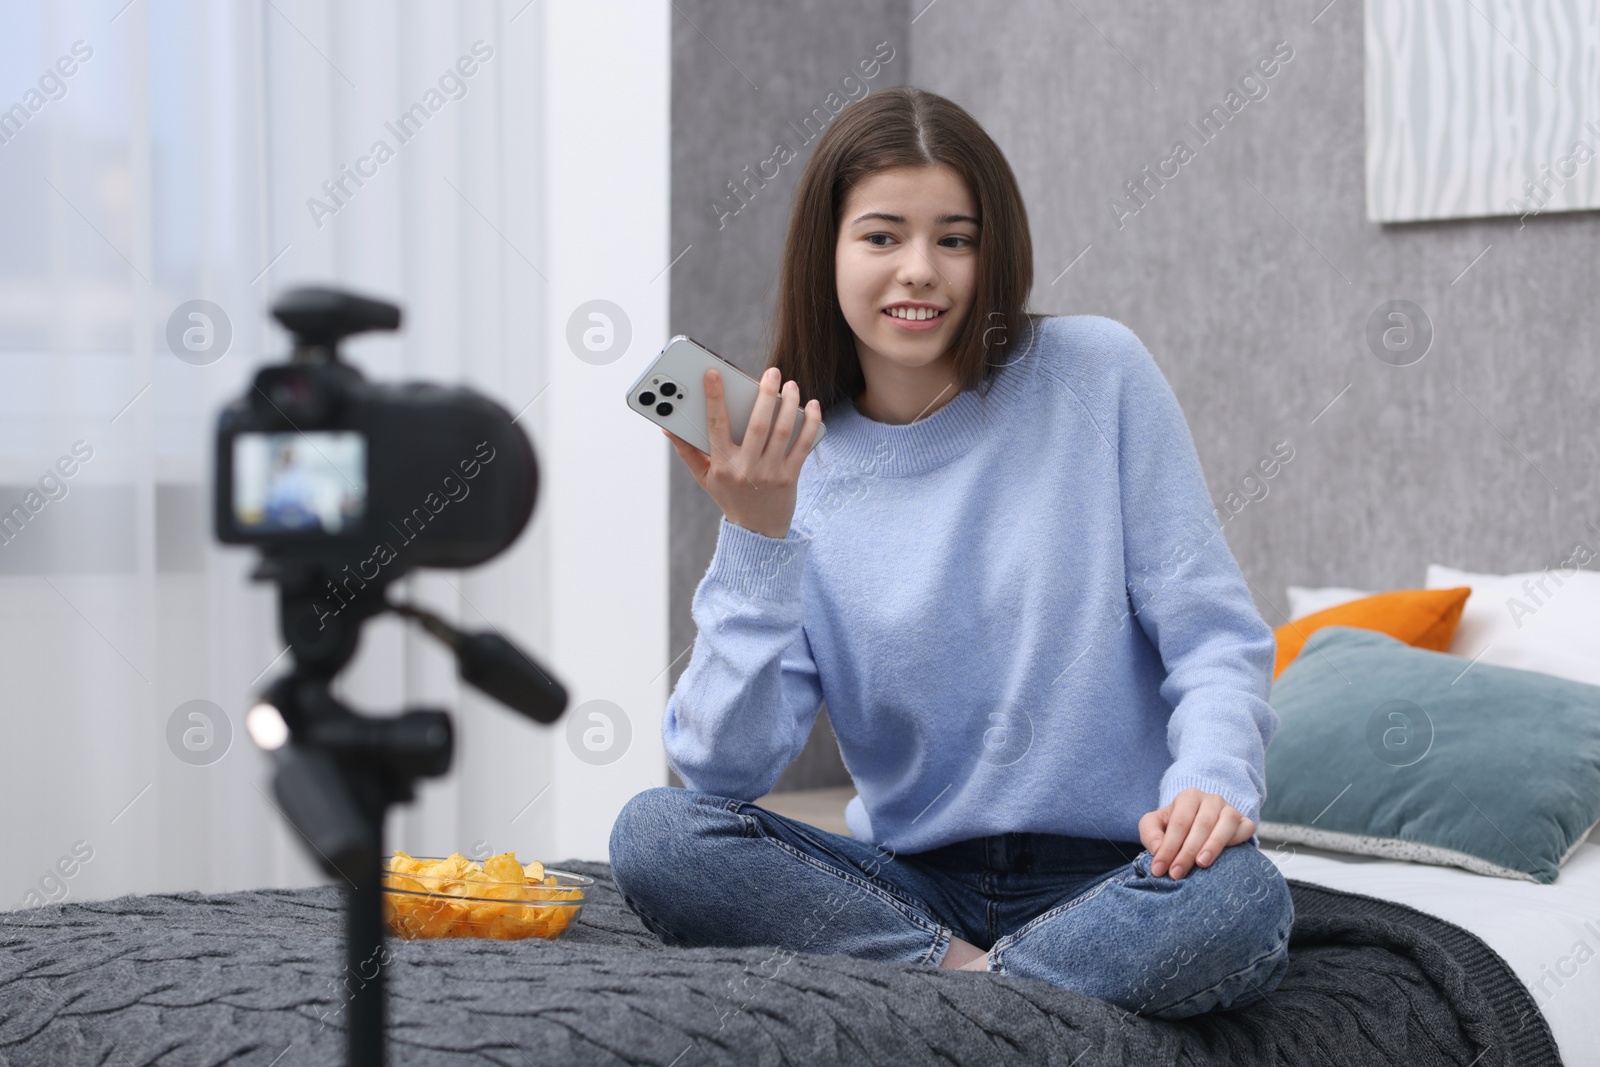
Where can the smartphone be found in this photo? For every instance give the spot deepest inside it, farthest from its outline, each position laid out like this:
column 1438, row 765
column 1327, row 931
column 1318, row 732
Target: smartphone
column 670, row 394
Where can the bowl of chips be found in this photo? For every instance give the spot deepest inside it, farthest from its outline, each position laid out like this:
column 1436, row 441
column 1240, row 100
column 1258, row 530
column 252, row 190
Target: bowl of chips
column 501, row 898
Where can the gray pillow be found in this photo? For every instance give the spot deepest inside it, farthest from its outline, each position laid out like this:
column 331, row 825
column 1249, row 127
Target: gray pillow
column 1388, row 750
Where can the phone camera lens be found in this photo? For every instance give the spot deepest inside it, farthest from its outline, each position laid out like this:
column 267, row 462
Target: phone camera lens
column 668, row 389
column 663, row 408
column 647, row 398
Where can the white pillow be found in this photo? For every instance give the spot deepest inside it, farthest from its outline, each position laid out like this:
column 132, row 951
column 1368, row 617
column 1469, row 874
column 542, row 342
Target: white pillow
column 1304, row 601
column 1514, row 622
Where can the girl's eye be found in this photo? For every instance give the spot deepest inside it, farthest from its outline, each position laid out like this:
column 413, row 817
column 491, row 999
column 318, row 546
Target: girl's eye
column 966, row 242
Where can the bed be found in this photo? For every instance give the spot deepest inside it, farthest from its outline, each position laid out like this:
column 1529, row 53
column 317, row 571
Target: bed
column 1392, row 961
column 251, row 978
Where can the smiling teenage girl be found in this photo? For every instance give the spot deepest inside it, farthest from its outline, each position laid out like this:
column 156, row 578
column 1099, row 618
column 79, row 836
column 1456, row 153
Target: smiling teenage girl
column 1002, row 572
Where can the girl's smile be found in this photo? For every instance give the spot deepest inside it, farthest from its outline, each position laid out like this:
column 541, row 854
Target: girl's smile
column 913, row 316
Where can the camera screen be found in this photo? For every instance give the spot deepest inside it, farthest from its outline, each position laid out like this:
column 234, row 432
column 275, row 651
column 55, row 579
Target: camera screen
column 313, row 482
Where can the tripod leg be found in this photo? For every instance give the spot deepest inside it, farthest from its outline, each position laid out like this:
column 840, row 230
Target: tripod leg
column 366, row 957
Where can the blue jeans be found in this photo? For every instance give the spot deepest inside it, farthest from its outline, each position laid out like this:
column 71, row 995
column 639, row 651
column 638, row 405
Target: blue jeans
column 1080, row 913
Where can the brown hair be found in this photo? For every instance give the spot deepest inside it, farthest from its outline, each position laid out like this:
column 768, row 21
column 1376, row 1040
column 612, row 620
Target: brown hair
column 898, row 126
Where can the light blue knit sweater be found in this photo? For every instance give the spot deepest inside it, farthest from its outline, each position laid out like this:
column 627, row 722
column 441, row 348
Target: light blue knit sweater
column 1020, row 610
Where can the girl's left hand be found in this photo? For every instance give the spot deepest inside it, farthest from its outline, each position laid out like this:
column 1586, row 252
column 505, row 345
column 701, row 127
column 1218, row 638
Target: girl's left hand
column 1195, row 827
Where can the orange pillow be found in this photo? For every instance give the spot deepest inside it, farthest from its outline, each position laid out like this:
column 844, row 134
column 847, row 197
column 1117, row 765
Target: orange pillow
column 1424, row 618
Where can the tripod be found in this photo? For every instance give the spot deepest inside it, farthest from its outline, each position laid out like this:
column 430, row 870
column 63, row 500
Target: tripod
column 338, row 771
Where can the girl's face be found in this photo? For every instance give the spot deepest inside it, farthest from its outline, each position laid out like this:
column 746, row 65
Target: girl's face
column 908, row 236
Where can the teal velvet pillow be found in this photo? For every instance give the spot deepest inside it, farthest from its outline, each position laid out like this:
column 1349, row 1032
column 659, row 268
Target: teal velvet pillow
column 1388, row 750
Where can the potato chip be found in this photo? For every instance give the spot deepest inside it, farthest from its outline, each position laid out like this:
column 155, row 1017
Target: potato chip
column 407, row 864
column 504, row 868
column 454, row 865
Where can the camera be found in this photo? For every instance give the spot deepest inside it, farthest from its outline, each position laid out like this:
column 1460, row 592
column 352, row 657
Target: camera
column 344, row 485
column 317, row 464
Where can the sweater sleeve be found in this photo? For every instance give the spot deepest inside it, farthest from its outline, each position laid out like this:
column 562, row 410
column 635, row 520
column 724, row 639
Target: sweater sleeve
column 741, row 711
column 1191, row 599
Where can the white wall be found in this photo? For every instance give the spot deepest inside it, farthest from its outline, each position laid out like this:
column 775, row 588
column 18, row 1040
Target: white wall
column 607, row 162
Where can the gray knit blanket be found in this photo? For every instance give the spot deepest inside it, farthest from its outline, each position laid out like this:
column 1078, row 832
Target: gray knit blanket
column 253, row 978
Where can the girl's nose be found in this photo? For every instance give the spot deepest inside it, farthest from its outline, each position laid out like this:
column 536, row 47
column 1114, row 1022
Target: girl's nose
column 916, row 266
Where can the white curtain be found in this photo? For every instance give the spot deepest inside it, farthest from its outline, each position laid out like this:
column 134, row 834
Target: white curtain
column 222, row 152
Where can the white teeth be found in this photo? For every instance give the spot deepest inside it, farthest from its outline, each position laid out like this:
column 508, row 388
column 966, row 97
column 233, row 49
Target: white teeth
column 915, row 314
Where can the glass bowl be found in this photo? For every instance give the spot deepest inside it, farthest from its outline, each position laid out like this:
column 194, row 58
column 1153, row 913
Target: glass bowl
column 419, row 906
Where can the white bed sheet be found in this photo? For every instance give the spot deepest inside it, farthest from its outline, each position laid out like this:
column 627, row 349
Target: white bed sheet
column 1548, row 934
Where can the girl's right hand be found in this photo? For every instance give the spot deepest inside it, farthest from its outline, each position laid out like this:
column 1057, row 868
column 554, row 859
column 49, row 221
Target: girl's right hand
column 754, row 482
